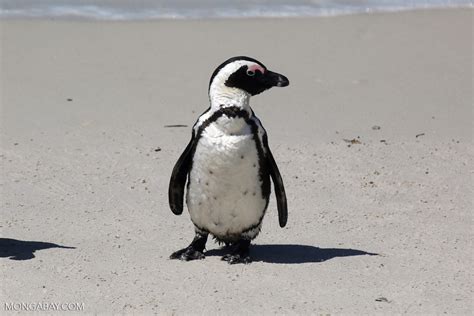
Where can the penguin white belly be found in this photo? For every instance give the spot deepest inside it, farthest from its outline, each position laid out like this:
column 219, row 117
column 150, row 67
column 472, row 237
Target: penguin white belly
column 224, row 195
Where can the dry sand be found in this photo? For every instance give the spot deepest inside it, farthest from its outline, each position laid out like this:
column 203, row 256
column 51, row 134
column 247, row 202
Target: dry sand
column 86, row 159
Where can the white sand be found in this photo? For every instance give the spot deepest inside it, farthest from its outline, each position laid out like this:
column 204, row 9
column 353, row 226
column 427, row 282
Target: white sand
column 85, row 173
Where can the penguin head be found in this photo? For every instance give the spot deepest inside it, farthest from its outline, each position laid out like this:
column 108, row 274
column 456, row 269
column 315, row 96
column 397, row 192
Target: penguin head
column 243, row 76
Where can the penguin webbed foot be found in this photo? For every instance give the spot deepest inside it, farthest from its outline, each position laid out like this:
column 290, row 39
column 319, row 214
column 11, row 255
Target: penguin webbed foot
column 188, row 254
column 237, row 258
column 195, row 251
column 239, row 253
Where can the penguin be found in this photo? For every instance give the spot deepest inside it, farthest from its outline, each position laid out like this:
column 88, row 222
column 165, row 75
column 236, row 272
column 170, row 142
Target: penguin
column 227, row 164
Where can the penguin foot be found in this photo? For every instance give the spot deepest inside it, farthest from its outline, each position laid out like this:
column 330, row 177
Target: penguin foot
column 188, row 254
column 237, row 258
column 195, row 251
column 239, row 253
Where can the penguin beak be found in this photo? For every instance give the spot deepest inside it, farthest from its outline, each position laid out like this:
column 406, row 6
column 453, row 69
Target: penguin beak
column 274, row 79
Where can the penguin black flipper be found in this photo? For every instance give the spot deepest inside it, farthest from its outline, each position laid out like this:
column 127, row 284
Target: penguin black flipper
column 279, row 189
column 179, row 177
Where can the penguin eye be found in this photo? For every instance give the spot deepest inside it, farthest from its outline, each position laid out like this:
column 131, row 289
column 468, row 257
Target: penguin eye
column 250, row 73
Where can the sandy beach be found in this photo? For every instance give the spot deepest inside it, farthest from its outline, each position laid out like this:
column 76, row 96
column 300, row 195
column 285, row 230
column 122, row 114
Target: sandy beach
column 373, row 138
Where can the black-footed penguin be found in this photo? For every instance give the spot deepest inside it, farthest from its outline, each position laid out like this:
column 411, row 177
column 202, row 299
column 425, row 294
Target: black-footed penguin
column 227, row 164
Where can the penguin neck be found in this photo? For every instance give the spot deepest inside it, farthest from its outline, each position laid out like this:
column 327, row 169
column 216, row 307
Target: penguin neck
column 229, row 97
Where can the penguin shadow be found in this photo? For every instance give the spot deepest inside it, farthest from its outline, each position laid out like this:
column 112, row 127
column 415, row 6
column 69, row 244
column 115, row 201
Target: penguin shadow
column 24, row 250
column 294, row 254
